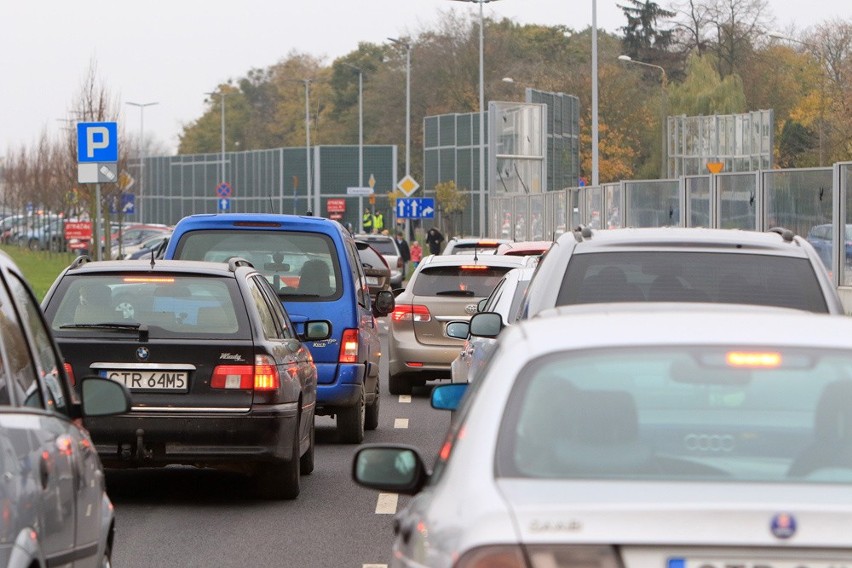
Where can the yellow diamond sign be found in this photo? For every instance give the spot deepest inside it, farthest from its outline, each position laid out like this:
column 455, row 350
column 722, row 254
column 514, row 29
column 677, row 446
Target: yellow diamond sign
column 407, row 185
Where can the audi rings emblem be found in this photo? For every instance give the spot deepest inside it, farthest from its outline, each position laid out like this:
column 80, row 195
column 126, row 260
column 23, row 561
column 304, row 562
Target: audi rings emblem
column 470, row 309
column 709, row 442
column 142, row 353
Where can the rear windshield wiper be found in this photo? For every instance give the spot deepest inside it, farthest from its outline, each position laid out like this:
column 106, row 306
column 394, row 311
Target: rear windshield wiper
column 135, row 326
column 455, row 293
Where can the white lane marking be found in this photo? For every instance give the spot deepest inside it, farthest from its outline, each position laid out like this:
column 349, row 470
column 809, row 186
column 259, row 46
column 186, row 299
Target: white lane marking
column 374, row 566
column 386, row 504
column 405, row 398
column 400, row 423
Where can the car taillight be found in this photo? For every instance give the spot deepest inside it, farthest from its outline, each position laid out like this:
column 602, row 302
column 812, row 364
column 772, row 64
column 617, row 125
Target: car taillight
column 539, row 556
column 349, row 346
column 70, row 372
column 408, row 312
column 262, row 376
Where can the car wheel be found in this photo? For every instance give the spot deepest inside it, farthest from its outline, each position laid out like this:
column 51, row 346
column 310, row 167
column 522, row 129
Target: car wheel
column 399, row 384
column 306, row 462
column 280, row 480
column 350, row 422
column 371, row 418
column 106, row 559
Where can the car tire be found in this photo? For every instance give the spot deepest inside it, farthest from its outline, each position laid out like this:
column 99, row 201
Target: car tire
column 371, row 413
column 280, row 480
column 399, row 384
column 350, row 422
column 306, row 462
column 106, row 559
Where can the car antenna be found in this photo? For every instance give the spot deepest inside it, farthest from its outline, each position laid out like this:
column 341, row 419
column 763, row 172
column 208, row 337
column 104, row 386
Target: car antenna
column 475, row 253
column 153, row 252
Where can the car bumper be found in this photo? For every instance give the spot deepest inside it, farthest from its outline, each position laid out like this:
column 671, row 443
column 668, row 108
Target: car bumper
column 407, row 355
column 174, row 437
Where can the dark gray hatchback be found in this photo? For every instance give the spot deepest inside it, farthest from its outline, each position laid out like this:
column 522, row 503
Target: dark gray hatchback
column 217, row 373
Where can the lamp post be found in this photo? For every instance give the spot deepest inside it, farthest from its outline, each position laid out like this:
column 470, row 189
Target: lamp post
column 141, row 107
column 595, row 135
column 481, row 113
column 222, row 95
column 360, row 142
column 307, row 83
column 407, row 47
column 818, row 52
column 664, row 83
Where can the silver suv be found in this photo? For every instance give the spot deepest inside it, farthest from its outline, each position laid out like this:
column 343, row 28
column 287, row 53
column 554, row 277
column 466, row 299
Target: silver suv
column 776, row 268
column 54, row 501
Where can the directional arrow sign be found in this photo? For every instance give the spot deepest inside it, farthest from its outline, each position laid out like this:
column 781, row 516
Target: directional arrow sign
column 415, row 208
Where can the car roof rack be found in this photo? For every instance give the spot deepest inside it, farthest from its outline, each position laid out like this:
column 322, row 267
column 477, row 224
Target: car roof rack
column 786, row 234
column 582, row 232
column 236, row 261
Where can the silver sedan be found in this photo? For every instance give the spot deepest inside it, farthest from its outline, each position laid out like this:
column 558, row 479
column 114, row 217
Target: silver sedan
column 681, row 436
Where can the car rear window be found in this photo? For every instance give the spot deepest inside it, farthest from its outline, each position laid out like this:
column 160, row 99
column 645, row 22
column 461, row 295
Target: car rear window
column 169, row 305
column 471, row 248
column 301, row 266
column 667, row 276
column 472, row 280
column 726, row 414
column 384, row 246
column 370, row 258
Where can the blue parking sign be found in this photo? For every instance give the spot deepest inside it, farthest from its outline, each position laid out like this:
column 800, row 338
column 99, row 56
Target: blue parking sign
column 97, row 142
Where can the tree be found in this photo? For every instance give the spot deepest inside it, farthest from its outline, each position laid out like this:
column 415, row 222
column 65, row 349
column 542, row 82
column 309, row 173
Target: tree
column 643, row 38
column 795, row 142
column 703, row 92
column 450, row 202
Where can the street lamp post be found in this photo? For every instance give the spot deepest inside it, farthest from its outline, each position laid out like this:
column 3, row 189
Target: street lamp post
column 407, row 47
column 664, row 83
column 141, row 107
column 360, row 142
column 481, row 112
column 308, row 173
column 222, row 94
column 595, row 135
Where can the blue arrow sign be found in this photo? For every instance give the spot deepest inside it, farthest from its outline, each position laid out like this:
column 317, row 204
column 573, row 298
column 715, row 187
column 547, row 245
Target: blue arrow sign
column 224, row 204
column 415, row 208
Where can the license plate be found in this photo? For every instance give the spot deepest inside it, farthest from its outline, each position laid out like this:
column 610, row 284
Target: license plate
column 372, row 281
column 751, row 563
column 174, row 381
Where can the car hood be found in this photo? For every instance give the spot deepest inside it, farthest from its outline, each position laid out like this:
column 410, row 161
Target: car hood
column 677, row 514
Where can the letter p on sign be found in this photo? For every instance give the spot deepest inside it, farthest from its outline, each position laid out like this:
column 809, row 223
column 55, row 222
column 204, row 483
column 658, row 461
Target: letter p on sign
column 97, row 142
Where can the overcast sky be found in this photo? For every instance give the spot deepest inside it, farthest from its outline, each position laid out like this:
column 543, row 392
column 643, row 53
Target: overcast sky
column 172, row 52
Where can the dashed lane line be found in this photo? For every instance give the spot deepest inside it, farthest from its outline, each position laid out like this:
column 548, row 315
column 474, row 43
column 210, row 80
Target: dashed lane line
column 400, row 423
column 386, row 503
column 405, row 398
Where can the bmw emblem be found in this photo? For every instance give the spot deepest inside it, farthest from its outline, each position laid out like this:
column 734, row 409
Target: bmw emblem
column 783, row 525
column 142, row 353
column 470, row 309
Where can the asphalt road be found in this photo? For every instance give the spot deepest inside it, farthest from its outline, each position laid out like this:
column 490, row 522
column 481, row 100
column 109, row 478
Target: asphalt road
column 188, row 517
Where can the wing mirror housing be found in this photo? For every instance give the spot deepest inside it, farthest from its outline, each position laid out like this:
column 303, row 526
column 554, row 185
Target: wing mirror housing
column 384, row 304
column 486, row 324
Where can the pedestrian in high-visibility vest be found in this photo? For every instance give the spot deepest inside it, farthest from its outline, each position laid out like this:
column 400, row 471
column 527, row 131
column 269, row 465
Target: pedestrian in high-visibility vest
column 378, row 222
column 367, row 222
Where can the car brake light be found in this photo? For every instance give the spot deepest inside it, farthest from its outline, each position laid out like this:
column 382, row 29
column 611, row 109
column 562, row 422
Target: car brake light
column 266, row 374
column 70, row 372
column 408, row 312
column 753, row 360
column 262, row 376
column 148, row 279
column 349, row 346
column 504, row 556
column 474, row 267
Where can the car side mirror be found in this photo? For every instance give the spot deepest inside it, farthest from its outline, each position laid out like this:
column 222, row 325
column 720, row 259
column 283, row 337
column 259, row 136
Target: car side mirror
column 486, row 324
column 392, row 468
column 104, row 397
column 317, row 330
column 458, row 329
column 448, row 397
column 480, row 305
column 384, row 304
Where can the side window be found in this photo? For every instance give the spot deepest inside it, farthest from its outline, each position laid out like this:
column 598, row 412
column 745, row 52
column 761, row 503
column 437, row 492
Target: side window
column 267, row 318
column 275, row 307
column 22, row 373
column 49, row 364
column 360, row 281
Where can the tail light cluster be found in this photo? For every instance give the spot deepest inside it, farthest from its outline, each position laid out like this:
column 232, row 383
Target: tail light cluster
column 411, row 312
column 349, row 347
column 69, row 371
column 262, row 376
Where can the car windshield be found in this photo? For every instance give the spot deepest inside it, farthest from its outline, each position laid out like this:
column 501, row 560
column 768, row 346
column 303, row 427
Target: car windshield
column 473, row 280
column 168, row 305
column 667, row 276
column 301, row 266
column 682, row 413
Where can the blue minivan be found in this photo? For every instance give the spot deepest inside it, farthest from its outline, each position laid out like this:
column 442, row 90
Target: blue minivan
column 313, row 265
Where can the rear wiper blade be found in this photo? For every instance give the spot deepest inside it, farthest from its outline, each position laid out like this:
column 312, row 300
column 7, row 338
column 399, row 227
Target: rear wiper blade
column 134, row 326
column 455, row 293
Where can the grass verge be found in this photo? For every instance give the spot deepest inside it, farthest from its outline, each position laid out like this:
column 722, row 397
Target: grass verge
column 40, row 268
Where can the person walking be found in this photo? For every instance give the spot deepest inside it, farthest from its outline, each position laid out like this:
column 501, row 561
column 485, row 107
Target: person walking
column 378, row 222
column 367, row 222
column 416, row 254
column 434, row 238
column 404, row 251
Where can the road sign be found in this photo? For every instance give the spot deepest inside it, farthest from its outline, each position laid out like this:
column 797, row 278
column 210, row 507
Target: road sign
column 224, row 189
column 715, row 167
column 336, row 206
column 224, row 204
column 359, row 191
column 415, row 208
column 407, row 185
column 125, row 181
column 126, row 202
column 97, row 173
column 97, row 142
column 372, row 181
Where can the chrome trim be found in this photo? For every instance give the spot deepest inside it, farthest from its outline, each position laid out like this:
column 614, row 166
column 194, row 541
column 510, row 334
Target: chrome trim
column 145, row 366
column 178, row 409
